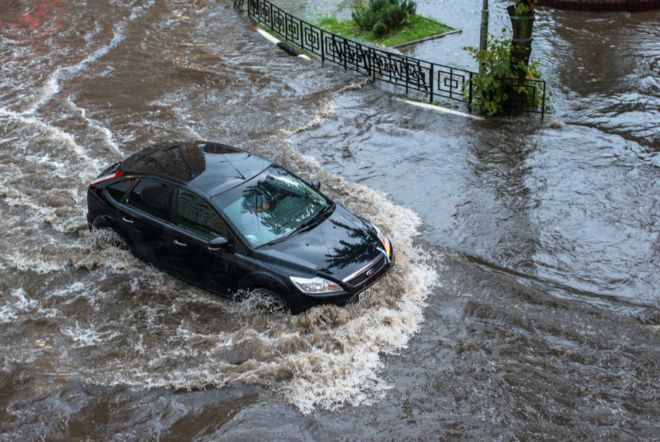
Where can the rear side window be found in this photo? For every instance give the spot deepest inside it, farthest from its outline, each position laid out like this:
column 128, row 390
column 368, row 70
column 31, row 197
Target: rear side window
column 153, row 197
column 118, row 190
column 196, row 216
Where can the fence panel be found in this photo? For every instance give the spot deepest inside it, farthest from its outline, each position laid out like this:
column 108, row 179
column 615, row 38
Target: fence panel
column 431, row 80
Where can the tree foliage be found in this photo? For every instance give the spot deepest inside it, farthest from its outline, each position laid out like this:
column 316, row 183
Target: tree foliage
column 525, row 7
column 496, row 87
column 381, row 17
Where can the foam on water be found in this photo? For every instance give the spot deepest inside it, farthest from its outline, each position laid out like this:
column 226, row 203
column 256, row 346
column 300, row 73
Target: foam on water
column 106, row 135
column 7, row 315
column 87, row 336
column 49, row 133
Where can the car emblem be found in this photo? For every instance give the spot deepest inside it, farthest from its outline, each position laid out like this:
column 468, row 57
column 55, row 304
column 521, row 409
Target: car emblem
column 370, row 272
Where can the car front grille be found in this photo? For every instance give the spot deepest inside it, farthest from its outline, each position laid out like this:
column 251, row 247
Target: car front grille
column 366, row 273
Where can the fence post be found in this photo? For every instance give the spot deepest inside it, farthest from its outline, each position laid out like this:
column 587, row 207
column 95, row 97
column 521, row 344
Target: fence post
column 286, row 26
column 407, row 67
column 543, row 102
column 345, row 54
column 451, row 82
column 431, row 84
column 271, row 17
column 470, row 93
column 334, row 48
column 322, row 46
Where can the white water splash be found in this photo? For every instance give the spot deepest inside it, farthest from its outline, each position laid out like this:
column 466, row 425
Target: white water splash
column 106, row 134
column 87, row 336
column 50, row 133
column 7, row 315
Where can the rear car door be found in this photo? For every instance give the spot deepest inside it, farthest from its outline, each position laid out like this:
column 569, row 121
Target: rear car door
column 147, row 217
column 196, row 224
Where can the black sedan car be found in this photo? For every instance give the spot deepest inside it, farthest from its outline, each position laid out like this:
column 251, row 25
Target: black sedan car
column 227, row 220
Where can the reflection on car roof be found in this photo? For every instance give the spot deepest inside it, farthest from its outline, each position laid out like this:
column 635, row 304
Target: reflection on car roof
column 211, row 167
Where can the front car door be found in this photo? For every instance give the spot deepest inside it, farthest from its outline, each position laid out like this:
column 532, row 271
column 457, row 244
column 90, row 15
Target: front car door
column 196, row 224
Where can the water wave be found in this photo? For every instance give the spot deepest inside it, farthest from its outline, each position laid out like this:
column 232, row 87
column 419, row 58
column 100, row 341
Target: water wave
column 53, row 84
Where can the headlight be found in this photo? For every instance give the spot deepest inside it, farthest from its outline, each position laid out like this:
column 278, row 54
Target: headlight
column 315, row 285
column 384, row 240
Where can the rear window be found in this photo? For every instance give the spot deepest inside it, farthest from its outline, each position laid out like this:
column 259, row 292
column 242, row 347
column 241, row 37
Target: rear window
column 153, row 197
column 118, row 190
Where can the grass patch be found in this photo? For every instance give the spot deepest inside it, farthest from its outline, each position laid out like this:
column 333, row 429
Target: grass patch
column 419, row 27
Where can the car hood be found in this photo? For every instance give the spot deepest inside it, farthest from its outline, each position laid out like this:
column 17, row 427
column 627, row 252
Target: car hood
column 338, row 247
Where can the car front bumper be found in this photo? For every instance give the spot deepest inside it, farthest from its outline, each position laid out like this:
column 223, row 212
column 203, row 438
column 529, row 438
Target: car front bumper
column 301, row 301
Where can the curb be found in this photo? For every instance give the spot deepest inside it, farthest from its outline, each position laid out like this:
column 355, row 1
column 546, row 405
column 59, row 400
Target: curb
column 602, row 5
column 421, row 40
column 292, row 51
column 436, row 108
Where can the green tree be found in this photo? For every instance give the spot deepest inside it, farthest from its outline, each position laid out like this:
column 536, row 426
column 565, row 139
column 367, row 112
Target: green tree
column 497, row 89
column 502, row 84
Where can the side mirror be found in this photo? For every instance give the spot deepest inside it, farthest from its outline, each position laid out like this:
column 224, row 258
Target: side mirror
column 217, row 244
column 316, row 185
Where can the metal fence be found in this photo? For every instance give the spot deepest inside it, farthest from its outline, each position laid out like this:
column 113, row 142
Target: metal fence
column 419, row 78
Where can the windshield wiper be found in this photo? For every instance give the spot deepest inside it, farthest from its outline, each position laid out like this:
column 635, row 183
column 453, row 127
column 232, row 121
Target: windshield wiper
column 315, row 220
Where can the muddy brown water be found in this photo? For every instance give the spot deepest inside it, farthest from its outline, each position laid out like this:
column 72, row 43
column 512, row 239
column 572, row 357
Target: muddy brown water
column 524, row 301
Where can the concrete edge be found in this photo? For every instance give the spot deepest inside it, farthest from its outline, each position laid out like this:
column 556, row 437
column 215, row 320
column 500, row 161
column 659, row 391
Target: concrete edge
column 271, row 38
column 602, row 5
column 437, row 108
column 431, row 37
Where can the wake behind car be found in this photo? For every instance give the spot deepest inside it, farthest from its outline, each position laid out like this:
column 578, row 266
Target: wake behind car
column 225, row 220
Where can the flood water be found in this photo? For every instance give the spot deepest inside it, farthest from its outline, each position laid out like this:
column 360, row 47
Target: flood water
column 525, row 299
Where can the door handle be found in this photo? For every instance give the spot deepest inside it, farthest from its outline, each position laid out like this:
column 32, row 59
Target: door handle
column 179, row 243
column 127, row 220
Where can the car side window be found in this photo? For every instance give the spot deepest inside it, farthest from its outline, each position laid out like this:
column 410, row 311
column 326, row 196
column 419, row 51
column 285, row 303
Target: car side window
column 153, row 197
column 195, row 215
column 118, row 190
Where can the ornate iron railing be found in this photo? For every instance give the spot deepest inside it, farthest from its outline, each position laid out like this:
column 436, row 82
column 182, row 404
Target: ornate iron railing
column 420, row 78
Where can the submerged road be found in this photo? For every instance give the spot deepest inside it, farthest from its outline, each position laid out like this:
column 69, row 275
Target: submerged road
column 524, row 303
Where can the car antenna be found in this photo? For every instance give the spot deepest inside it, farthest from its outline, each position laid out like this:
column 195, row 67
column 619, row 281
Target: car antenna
column 232, row 165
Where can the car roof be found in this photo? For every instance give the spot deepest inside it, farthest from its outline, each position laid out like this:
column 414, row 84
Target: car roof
column 210, row 167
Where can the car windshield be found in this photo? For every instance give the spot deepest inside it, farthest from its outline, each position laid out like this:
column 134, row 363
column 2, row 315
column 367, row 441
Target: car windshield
column 271, row 206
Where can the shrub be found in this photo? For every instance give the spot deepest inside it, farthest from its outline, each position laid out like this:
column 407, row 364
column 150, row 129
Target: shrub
column 382, row 17
column 525, row 7
column 496, row 88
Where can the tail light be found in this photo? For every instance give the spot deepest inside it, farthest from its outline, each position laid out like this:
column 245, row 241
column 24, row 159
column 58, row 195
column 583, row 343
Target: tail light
column 104, row 178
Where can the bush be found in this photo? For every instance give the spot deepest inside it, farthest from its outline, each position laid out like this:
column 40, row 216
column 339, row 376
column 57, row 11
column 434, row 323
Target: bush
column 496, row 88
column 381, row 17
column 525, row 7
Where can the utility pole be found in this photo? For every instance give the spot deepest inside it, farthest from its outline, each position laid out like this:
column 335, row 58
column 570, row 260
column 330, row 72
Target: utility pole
column 483, row 42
